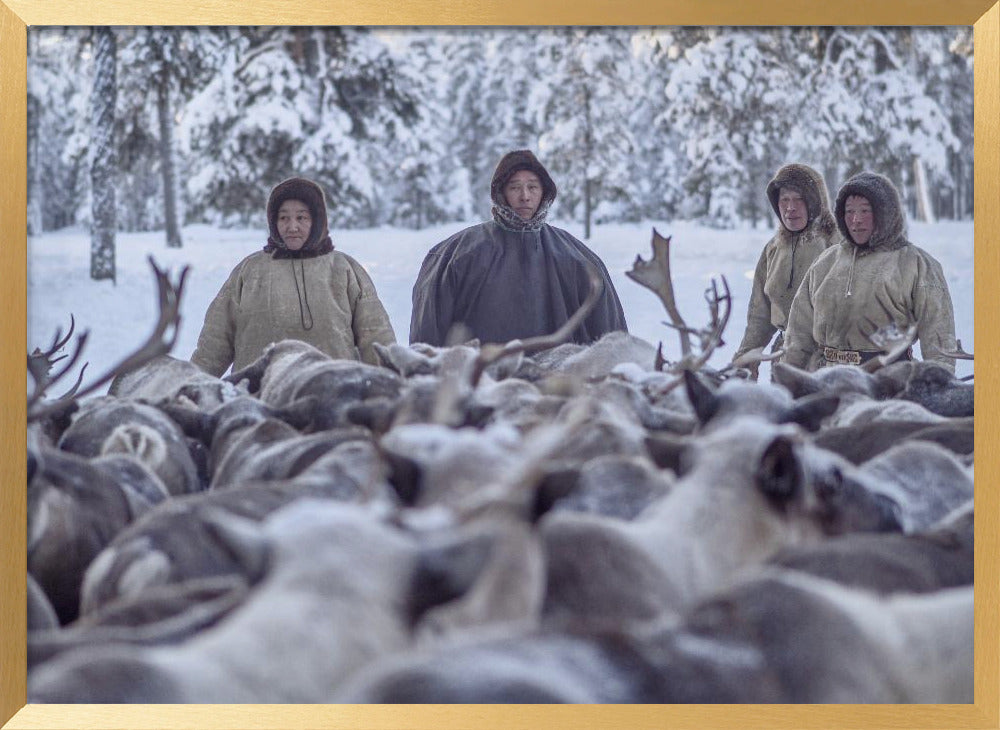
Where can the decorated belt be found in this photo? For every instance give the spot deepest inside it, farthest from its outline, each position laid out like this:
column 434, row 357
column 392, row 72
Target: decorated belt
column 847, row 357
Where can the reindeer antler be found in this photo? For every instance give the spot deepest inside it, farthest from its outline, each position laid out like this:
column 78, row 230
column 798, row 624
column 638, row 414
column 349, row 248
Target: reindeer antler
column 490, row 353
column 40, row 364
column 752, row 357
column 655, row 276
column 160, row 342
column 890, row 339
column 958, row 353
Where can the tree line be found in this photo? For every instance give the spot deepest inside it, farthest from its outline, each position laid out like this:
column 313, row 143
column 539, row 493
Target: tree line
column 153, row 128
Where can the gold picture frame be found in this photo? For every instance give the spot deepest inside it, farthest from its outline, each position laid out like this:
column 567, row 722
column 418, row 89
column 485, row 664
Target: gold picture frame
column 17, row 15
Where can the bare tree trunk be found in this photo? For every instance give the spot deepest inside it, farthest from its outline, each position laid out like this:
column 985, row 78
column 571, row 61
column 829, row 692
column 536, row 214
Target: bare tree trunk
column 588, row 156
column 962, row 189
column 35, row 222
column 103, row 162
column 925, row 209
column 956, row 189
column 171, row 219
column 831, row 176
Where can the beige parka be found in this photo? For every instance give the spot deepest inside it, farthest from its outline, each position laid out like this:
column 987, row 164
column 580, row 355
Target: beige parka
column 888, row 280
column 317, row 295
column 787, row 256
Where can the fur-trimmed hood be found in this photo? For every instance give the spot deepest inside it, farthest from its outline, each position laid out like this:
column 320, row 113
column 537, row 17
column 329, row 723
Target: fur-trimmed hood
column 310, row 193
column 513, row 162
column 502, row 212
column 808, row 183
column 890, row 225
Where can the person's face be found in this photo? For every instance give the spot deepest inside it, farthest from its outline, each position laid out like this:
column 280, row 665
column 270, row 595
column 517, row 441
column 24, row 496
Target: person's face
column 859, row 218
column 294, row 224
column 523, row 193
column 794, row 213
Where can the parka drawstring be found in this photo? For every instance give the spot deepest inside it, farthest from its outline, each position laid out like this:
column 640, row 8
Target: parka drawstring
column 303, row 294
column 850, row 276
column 791, row 269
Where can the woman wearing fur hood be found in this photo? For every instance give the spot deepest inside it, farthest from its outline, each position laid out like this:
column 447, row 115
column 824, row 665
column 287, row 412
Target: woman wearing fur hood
column 515, row 276
column 874, row 277
column 298, row 287
column 805, row 229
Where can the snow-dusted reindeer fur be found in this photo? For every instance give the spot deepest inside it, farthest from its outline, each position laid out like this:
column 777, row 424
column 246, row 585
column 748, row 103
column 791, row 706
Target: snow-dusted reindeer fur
column 76, row 505
column 782, row 638
column 340, row 588
column 529, row 521
column 752, row 488
column 75, row 508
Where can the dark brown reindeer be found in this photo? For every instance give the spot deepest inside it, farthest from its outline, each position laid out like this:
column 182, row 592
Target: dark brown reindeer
column 77, row 502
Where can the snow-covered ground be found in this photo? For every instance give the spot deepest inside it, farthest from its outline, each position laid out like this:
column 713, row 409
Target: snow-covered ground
column 121, row 315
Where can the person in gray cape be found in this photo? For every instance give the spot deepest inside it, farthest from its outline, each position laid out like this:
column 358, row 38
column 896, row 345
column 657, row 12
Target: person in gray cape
column 513, row 277
column 874, row 277
column 806, row 228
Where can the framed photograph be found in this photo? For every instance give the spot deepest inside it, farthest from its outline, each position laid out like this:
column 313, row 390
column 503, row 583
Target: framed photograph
column 19, row 19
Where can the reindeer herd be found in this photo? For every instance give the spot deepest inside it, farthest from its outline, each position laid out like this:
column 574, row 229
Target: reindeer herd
column 533, row 521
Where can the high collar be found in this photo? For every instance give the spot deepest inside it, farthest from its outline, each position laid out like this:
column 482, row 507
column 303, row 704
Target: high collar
column 508, row 219
column 278, row 250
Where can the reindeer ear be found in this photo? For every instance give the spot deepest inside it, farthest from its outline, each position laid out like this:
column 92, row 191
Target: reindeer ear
column 809, row 411
column 557, row 484
column 300, row 414
column 34, row 461
column 405, row 476
column 384, row 358
column 194, row 423
column 701, row 396
column 252, row 373
column 375, row 414
column 798, row 382
column 242, row 538
column 445, row 571
column 41, row 614
column 404, row 360
column 780, row 474
column 669, row 451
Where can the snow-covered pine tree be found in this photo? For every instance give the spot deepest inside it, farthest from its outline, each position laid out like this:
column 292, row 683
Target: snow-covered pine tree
column 421, row 177
column 320, row 102
column 363, row 126
column 241, row 129
column 657, row 165
column 868, row 109
column 58, row 189
column 733, row 96
column 472, row 111
column 103, row 156
column 169, row 62
column 942, row 58
column 34, row 173
column 585, row 135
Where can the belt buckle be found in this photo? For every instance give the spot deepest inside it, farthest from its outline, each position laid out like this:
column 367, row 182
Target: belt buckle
column 842, row 357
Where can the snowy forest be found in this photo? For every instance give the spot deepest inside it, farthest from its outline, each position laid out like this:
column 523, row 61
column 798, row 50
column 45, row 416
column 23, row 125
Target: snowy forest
column 147, row 129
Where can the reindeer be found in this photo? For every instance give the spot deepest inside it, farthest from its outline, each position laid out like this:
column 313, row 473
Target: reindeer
column 76, row 505
column 159, row 342
column 339, row 588
column 781, row 637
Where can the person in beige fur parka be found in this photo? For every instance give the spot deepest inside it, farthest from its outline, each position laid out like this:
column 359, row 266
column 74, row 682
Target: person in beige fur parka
column 298, row 287
column 806, row 228
column 874, row 278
